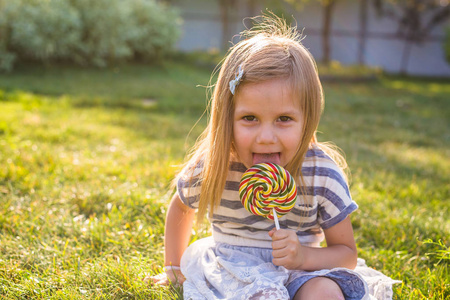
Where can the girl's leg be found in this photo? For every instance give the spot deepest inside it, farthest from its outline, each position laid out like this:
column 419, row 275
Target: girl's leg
column 320, row 288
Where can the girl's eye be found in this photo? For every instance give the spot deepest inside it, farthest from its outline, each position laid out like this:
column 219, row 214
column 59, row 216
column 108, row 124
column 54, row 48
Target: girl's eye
column 249, row 118
column 284, row 118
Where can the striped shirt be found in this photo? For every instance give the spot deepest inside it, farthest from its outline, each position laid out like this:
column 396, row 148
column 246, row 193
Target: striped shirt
column 326, row 203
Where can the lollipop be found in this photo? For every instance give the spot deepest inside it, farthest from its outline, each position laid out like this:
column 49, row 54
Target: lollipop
column 268, row 190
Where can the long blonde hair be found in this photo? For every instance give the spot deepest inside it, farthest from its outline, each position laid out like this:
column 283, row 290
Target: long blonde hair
column 270, row 50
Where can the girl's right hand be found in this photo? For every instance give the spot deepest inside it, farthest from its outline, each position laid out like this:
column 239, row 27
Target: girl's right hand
column 169, row 277
column 287, row 250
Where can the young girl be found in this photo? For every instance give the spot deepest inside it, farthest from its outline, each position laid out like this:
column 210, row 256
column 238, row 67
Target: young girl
column 266, row 107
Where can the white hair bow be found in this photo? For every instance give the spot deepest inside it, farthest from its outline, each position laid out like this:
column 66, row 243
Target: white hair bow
column 235, row 82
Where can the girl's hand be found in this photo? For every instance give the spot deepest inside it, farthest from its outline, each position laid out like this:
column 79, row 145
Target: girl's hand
column 287, row 250
column 174, row 277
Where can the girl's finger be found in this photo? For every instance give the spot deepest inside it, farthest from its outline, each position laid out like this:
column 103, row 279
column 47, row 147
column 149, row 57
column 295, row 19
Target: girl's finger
column 280, row 234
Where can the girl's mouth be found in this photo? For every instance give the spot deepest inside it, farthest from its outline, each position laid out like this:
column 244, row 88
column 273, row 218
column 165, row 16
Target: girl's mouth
column 266, row 158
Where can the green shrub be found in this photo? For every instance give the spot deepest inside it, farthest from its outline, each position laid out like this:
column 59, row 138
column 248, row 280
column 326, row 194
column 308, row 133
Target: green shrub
column 45, row 30
column 87, row 32
column 152, row 36
column 7, row 57
column 106, row 24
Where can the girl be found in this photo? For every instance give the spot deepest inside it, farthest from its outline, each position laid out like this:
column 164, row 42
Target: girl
column 266, row 107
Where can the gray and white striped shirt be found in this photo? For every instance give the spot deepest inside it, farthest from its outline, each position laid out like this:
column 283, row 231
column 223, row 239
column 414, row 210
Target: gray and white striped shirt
column 326, row 203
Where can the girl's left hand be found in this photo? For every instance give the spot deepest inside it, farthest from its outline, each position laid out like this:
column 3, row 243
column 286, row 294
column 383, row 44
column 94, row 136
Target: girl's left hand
column 287, row 250
column 170, row 277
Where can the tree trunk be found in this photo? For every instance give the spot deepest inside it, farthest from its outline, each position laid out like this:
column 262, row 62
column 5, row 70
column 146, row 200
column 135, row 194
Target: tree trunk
column 405, row 56
column 326, row 30
column 362, row 32
column 251, row 6
column 223, row 4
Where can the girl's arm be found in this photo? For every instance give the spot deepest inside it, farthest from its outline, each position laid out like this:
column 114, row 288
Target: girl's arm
column 178, row 230
column 340, row 251
column 178, row 227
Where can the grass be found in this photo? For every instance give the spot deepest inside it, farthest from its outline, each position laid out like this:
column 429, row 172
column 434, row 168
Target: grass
column 87, row 158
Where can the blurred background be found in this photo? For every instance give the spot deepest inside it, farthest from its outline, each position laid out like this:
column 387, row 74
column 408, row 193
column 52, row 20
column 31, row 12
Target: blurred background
column 399, row 36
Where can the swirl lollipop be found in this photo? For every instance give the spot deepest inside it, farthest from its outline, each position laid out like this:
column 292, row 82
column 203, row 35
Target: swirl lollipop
column 268, row 190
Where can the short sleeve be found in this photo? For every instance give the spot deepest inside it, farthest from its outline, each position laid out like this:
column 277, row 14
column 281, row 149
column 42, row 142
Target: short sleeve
column 335, row 202
column 189, row 185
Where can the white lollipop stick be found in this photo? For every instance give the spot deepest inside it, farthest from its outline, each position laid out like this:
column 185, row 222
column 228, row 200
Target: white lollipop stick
column 275, row 218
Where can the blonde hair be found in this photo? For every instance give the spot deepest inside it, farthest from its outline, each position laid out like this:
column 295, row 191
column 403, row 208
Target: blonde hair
column 270, row 50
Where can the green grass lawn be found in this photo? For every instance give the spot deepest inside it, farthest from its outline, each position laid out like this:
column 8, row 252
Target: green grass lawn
column 87, row 157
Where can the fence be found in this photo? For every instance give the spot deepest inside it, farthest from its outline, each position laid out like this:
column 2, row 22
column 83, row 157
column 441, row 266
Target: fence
column 378, row 44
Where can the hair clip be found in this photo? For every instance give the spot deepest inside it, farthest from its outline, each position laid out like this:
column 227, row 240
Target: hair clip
column 235, row 82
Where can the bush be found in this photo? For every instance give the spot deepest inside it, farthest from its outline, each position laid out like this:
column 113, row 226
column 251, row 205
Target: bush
column 45, row 30
column 87, row 32
column 7, row 57
column 151, row 36
column 106, row 27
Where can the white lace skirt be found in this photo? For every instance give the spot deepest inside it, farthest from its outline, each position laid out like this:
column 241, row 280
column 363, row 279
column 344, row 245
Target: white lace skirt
column 221, row 271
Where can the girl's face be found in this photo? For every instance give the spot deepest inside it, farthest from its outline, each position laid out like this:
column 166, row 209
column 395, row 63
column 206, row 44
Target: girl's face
column 267, row 123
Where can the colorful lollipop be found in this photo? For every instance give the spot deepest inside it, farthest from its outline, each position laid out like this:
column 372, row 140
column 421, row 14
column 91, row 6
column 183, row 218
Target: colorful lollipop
column 268, row 190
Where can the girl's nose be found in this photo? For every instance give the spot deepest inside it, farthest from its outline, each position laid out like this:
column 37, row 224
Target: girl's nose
column 266, row 135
